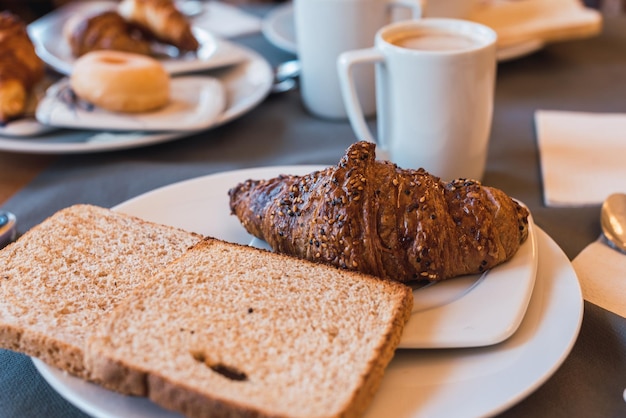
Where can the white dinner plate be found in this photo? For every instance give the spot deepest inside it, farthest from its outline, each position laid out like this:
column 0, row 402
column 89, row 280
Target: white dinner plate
column 279, row 29
column 455, row 382
column 246, row 85
column 195, row 103
column 47, row 35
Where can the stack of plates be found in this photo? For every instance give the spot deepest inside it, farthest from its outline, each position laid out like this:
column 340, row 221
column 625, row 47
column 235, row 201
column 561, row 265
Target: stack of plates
column 228, row 81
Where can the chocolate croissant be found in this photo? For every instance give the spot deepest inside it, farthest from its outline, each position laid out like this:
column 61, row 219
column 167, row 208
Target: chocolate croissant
column 377, row 218
column 162, row 20
column 104, row 30
column 20, row 67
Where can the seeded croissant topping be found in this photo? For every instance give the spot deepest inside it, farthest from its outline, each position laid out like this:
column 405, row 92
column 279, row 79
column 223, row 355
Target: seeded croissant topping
column 377, row 218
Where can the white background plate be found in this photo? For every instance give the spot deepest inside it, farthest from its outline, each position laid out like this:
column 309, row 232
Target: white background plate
column 278, row 28
column 24, row 127
column 246, row 85
column 431, row 383
column 47, row 35
column 195, row 103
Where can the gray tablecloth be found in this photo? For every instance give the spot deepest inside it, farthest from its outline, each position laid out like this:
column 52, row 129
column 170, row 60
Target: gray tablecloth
column 587, row 75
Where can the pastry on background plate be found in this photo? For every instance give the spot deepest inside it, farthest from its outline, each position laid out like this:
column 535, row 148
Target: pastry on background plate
column 121, row 81
column 103, row 31
column 133, row 26
column 20, row 67
column 162, row 20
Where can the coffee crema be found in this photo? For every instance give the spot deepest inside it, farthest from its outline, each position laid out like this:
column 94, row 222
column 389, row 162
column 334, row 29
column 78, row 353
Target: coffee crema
column 436, row 41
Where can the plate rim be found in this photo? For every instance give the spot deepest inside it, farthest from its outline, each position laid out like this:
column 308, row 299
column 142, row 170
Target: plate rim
column 268, row 28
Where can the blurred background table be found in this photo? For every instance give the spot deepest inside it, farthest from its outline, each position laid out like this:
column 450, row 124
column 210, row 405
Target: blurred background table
column 16, row 170
column 586, row 75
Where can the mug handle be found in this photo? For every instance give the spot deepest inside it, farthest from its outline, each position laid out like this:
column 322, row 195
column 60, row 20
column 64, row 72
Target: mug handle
column 345, row 63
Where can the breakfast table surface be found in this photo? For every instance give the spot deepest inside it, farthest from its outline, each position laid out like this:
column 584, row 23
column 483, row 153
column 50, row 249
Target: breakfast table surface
column 582, row 75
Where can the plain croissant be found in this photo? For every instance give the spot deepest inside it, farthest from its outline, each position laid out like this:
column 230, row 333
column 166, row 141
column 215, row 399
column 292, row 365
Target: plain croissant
column 377, row 218
column 103, row 30
column 161, row 19
column 20, row 67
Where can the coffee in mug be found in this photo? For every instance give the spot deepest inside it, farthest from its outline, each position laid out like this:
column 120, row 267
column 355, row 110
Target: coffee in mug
column 433, row 41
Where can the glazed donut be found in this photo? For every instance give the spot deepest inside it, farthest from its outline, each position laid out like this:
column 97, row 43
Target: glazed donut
column 121, row 81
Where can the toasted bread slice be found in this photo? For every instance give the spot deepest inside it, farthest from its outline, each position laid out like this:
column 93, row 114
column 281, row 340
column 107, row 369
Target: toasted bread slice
column 61, row 277
column 230, row 330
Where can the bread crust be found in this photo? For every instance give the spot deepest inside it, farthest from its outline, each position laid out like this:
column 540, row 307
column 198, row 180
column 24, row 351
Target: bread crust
column 48, row 349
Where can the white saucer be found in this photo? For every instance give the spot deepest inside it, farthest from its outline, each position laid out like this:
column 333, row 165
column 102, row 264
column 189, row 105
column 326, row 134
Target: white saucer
column 279, row 30
column 418, row 383
column 475, row 310
column 471, row 311
column 245, row 84
column 47, row 35
column 195, row 103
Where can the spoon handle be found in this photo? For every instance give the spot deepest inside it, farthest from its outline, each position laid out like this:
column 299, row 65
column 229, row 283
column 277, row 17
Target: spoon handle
column 8, row 230
column 613, row 221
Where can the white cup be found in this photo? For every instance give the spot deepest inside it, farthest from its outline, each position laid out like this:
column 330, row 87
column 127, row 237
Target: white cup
column 434, row 99
column 326, row 28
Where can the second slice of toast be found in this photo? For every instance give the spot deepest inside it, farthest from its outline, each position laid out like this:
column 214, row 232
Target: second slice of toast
column 230, row 330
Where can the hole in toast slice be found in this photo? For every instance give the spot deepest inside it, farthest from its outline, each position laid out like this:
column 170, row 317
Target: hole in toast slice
column 225, row 370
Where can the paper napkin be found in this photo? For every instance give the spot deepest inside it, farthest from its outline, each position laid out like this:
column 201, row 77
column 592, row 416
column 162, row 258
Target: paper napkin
column 226, row 20
column 545, row 20
column 582, row 156
column 601, row 272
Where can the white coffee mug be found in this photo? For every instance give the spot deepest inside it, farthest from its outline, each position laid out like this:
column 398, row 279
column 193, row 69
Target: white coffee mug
column 326, row 28
column 435, row 81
